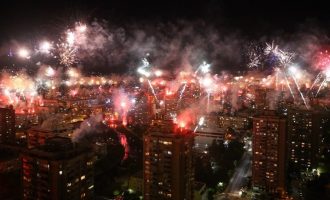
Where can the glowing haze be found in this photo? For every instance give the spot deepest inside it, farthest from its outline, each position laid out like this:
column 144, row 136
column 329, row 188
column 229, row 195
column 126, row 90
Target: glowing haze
column 168, row 67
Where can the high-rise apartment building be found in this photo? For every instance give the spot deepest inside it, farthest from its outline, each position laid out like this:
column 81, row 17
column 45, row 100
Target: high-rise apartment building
column 305, row 129
column 168, row 162
column 7, row 125
column 269, row 147
column 57, row 171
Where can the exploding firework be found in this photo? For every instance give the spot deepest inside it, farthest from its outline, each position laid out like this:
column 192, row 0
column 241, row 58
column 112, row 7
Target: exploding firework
column 45, row 47
column 254, row 60
column 284, row 57
column 67, row 54
column 204, row 68
column 81, row 28
column 50, row 72
column 23, row 53
column 322, row 60
column 144, row 69
column 195, row 86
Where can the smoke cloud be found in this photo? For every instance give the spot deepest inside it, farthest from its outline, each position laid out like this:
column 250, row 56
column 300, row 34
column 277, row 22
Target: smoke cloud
column 89, row 126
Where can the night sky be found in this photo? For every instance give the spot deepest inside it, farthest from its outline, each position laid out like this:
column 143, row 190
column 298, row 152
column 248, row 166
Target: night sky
column 26, row 22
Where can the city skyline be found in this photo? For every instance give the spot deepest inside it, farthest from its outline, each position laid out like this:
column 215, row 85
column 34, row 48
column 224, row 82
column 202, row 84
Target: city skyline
column 201, row 100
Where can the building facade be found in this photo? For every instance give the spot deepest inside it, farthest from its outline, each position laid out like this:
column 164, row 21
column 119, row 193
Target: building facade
column 168, row 162
column 57, row 171
column 269, row 146
column 7, row 125
column 305, row 129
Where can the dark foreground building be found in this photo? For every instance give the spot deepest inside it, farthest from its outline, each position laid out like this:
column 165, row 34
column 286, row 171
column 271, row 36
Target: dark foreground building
column 57, row 171
column 7, row 125
column 305, row 130
column 168, row 162
column 269, row 160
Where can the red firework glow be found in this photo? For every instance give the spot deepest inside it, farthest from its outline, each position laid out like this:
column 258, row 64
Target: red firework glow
column 122, row 105
column 124, row 143
column 185, row 119
column 169, row 92
column 322, row 60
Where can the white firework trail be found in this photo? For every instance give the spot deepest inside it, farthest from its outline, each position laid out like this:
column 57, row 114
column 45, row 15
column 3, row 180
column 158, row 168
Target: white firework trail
column 182, row 92
column 152, row 90
column 208, row 102
column 142, row 70
column 287, row 83
column 318, row 77
column 321, row 86
column 298, row 88
column 200, row 123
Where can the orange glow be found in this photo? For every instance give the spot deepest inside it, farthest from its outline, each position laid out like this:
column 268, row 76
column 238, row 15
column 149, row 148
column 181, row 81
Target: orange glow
column 168, row 92
column 182, row 124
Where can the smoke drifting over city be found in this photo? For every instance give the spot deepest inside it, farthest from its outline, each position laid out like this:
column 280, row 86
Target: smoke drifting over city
column 177, row 50
column 190, row 100
column 89, row 126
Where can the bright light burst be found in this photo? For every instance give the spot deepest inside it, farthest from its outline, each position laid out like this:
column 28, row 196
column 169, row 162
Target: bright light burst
column 285, row 77
column 158, row 73
column 284, row 57
column 81, row 28
column 327, row 74
column 143, row 70
column 254, row 60
column 45, row 47
column 67, row 54
column 23, row 53
column 50, row 72
column 207, row 82
column 70, row 38
column 271, row 48
column 205, row 67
